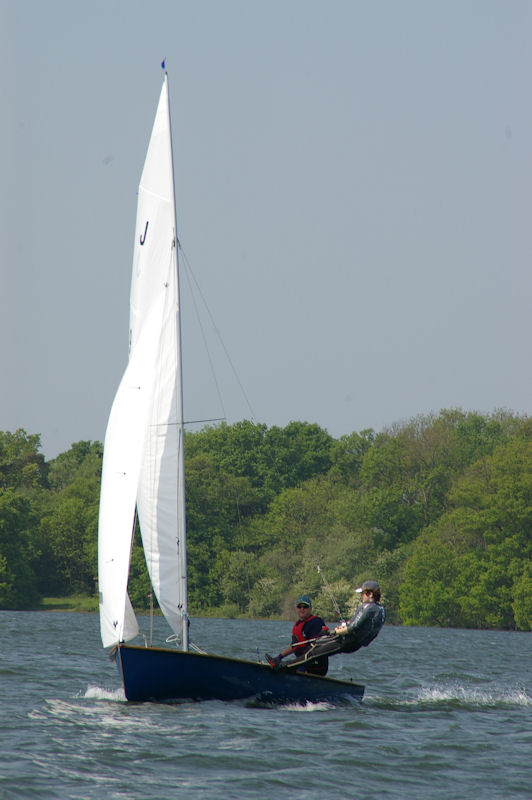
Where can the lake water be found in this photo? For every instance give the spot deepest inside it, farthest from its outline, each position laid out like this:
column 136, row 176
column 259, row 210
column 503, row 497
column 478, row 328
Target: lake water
column 447, row 714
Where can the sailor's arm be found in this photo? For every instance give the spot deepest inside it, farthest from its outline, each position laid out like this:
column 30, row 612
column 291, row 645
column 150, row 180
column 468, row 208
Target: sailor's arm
column 362, row 618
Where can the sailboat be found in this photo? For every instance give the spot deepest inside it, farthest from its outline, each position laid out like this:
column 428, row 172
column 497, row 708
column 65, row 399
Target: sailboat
column 143, row 478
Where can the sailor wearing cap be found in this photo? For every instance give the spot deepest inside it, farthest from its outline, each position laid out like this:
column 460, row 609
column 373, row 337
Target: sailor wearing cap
column 307, row 626
column 367, row 620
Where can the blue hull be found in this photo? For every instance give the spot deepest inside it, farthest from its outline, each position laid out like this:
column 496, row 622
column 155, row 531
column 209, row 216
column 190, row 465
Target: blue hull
column 151, row 673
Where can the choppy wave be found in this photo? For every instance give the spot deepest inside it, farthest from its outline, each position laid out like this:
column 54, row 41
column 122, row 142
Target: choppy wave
column 308, row 707
column 99, row 693
column 480, row 697
column 457, row 696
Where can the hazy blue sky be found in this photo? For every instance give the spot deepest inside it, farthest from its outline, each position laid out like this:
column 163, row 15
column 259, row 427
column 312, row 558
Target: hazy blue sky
column 354, row 196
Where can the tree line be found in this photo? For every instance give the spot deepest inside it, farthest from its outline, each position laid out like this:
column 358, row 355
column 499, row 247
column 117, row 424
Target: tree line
column 437, row 509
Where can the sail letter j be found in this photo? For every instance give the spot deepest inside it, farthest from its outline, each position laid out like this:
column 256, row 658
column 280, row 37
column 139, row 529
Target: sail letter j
column 143, row 235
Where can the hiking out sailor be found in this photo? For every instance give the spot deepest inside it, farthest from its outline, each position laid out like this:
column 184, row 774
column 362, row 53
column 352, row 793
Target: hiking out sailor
column 307, row 626
column 359, row 631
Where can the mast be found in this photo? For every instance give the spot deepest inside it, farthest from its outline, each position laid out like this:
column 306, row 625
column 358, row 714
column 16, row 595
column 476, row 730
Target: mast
column 180, row 426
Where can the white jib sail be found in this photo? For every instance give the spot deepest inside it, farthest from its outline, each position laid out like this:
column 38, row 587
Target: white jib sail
column 123, row 451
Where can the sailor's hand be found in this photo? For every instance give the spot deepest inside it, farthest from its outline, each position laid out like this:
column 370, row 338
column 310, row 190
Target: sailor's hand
column 341, row 630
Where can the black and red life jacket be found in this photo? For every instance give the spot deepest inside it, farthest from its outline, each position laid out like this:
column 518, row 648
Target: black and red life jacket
column 298, row 631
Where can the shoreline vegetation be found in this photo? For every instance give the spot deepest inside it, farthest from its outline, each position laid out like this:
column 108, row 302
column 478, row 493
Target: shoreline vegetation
column 438, row 509
column 89, row 604
column 76, row 603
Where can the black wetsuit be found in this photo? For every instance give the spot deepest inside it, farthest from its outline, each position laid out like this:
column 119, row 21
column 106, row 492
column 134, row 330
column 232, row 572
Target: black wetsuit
column 362, row 628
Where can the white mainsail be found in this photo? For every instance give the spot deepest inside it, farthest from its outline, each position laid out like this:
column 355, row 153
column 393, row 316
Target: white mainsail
column 155, row 225
column 148, row 434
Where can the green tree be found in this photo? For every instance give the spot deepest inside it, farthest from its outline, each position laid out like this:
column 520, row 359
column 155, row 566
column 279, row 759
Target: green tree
column 239, row 572
column 522, row 603
column 264, row 598
column 139, row 587
column 84, row 459
column 21, row 464
column 69, row 526
column 17, row 578
column 347, row 455
column 476, row 552
column 218, row 506
column 271, row 459
column 71, row 532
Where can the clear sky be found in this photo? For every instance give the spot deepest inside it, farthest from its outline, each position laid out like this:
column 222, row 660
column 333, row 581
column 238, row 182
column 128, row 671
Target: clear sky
column 354, row 197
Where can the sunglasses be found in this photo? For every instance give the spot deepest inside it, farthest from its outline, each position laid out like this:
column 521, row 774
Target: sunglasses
column 303, row 605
